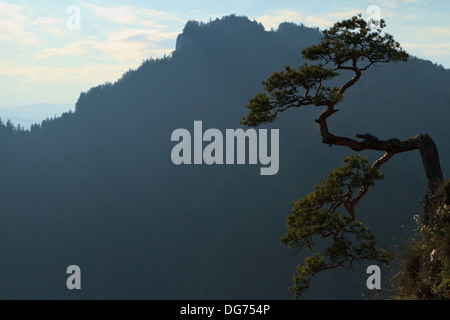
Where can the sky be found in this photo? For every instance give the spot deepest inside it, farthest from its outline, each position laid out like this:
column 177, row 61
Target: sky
column 51, row 51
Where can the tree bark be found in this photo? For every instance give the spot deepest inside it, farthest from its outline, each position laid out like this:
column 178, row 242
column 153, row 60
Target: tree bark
column 433, row 172
column 424, row 143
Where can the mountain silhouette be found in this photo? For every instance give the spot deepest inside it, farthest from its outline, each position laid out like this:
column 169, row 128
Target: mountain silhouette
column 25, row 116
column 97, row 188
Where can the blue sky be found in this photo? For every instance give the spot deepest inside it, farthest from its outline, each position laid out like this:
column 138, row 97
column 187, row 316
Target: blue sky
column 45, row 58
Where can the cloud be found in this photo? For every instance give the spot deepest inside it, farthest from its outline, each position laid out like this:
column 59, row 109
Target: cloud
column 322, row 21
column 316, row 21
column 440, row 49
column 346, row 14
column 122, row 15
column 131, row 15
column 127, row 46
column 273, row 21
column 81, row 59
column 13, row 17
column 132, row 36
column 410, row 17
column 75, row 48
column 440, row 32
column 15, row 12
column 90, row 74
column 425, row 33
column 142, row 34
column 392, row 4
column 20, row 24
column 47, row 21
column 430, row 42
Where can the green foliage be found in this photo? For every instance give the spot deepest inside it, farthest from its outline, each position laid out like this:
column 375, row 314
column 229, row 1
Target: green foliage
column 425, row 272
column 281, row 91
column 316, row 217
column 353, row 41
column 347, row 45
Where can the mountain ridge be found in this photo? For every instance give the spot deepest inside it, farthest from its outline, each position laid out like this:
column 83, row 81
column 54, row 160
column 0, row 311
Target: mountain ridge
column 96, row 187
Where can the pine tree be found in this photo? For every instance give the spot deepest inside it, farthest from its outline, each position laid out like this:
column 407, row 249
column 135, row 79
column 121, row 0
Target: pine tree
column 350, row 46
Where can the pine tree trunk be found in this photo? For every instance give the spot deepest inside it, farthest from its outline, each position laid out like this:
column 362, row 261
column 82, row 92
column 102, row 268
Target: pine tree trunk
column 423, row 142
column 433, row 172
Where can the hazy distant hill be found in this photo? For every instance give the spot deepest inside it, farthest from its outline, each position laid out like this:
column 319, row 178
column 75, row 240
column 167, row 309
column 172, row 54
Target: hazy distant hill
column 27, row 115
column 97, row 187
